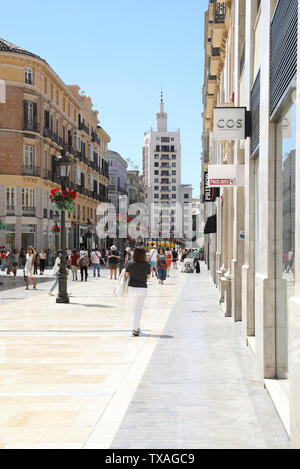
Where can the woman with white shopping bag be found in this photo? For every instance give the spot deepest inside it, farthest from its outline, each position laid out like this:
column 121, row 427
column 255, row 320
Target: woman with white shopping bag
column 138, row 272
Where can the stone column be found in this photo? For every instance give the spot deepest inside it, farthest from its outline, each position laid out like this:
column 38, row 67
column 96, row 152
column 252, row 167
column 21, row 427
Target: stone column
column 248, row 274
column 294, row 306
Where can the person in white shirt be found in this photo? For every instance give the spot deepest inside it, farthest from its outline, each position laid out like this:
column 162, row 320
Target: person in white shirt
column 152, row 259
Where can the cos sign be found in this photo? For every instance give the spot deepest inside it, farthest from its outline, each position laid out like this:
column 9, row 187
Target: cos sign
column 231, row 123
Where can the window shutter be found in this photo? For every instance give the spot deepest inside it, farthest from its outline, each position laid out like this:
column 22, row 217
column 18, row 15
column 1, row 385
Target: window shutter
column 34, row 114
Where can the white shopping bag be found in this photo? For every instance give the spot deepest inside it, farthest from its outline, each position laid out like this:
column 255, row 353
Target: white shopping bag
column 121, row 289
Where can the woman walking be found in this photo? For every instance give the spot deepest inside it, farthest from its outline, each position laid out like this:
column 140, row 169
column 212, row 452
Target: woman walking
column 29, row 266
column 74, row 260
column 43, row 258
column 138, row 272
column 83, row 264
column 161, row 266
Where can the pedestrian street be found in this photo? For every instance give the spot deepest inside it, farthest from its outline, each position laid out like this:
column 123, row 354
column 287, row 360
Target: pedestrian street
column 72, row 376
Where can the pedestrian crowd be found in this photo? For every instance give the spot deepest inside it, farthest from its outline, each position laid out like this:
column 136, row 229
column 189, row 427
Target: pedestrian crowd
column 133, row 268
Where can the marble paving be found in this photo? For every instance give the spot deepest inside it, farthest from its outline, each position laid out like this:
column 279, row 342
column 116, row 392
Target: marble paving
column 66, row 370
column 200, row 389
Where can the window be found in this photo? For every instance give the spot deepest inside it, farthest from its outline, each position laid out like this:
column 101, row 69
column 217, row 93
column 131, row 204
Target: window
column 51, row 92
column 28, row 76
column 173, row 165
column 156, row 196
column 173, row 173
column 186, row 196
column 174, row 181
column 45, row 160
column 157, row 148
column 29, row 156
column 173, row 196
column 28, row 197
column 156, row 173
column 172, row 139
column 57, row 97
column 173, row 157
column 28, row 113
column 165, row 139
column 10, row 198
column 45, row 85
column 174, row 188
column 64, row 104
column 156, row 180
column 156, row 188
column 172, row 148
column 156, row 157
column 156, row 165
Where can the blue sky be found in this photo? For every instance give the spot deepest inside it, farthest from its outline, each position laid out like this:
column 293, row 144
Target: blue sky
column 122, row 53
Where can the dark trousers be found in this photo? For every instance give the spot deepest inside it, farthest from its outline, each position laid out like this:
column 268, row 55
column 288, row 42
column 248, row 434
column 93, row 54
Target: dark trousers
column 42, row 265
column 85, row 270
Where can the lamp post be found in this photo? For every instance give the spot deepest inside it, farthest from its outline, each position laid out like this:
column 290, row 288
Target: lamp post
column 63, row 166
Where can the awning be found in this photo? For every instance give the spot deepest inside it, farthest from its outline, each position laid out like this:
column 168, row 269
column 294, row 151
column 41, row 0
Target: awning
column 211, row 225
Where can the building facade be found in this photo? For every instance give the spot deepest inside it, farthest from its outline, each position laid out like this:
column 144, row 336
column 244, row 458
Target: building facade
column 117, row 178
column 135, row 188
column 165, row 195
column 251, row 60
column 40, row 117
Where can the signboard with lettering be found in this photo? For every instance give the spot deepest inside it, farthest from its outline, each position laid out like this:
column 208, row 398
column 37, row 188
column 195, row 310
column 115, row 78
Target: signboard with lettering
column 225, row 175
column 210, row 193
column 230, row 123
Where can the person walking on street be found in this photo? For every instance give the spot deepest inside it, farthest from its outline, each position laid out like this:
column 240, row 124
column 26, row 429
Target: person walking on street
column 74, row 260
column 84, row 264
column 152, row 259
column 22, row 260
column 3, row 259
column 43, row 259
column 12, row 262
column 169, row 261
column 161, row 266
column 29, row 266
column 138, row 272
column 174, row 258
column 55, row 271
column 95, row 258
column 36, row 262
column 113, row 260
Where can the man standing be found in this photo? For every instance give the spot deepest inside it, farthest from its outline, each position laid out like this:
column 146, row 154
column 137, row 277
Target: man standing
column 95, row 257
column 113, row 260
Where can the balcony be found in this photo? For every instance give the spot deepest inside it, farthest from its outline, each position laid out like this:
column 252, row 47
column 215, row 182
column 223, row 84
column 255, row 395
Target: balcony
column 220, row 12
column 48, row 133
column 84, row 127
column 29, row 170
column 70, row 149
column 31, row 127
column 10, row 210
column 28, row 211
column 96, row 139
column 47, row 174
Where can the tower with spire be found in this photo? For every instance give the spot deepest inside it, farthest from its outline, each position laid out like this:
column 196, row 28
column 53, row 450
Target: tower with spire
column 162, row 177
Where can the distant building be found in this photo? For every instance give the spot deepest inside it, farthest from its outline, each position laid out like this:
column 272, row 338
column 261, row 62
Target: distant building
column 162, row 178
column 117, row 186
column 136, row 188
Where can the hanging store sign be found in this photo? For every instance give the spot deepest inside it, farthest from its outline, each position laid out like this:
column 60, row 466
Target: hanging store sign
column 225, row 175
column 210, row 193
column 231, row 123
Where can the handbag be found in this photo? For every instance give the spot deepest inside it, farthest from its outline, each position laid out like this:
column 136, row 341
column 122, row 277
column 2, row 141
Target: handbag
column 121, row 289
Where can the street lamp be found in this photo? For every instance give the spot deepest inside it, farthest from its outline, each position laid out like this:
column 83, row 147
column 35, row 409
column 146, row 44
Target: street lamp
column 63, row 166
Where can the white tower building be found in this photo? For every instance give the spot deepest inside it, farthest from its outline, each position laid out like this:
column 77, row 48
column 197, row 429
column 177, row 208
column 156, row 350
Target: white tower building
column 162, row 178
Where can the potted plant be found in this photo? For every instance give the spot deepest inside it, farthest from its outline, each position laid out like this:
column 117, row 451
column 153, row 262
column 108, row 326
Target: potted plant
column 63, row 199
